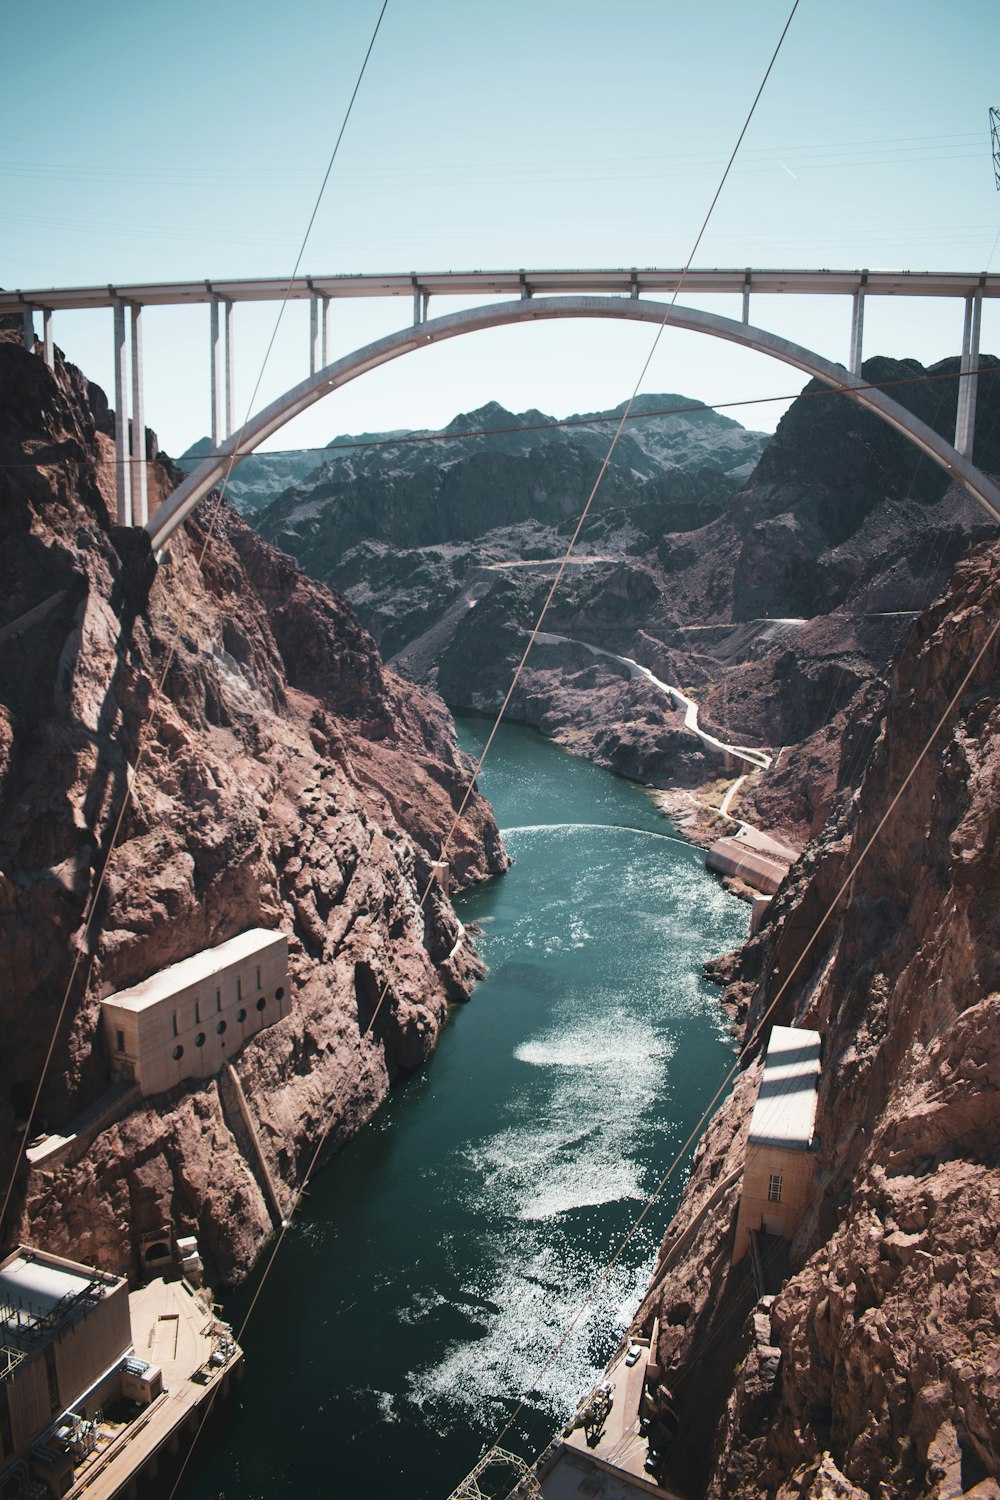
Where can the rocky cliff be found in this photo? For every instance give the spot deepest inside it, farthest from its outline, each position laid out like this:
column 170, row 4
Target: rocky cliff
column 267, row 770
column 876, row 1370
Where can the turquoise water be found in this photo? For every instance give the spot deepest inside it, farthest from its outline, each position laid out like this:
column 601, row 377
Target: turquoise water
column 439, row 1258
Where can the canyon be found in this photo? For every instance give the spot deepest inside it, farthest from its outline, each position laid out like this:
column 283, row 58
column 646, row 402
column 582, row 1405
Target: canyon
column 210, row 741
column 199, row 747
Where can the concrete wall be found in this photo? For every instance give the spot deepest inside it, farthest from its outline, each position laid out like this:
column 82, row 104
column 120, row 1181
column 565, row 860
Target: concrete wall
column 193, row 1031
column 796, row 1169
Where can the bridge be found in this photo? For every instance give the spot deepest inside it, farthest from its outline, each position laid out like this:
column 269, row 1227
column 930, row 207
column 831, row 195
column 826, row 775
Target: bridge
column 525, row 296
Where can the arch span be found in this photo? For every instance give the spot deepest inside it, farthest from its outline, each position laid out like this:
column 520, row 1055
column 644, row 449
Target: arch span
column 530, row 309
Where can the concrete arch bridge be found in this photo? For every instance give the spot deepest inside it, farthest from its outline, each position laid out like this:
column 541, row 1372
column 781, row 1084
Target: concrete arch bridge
column 528, row 297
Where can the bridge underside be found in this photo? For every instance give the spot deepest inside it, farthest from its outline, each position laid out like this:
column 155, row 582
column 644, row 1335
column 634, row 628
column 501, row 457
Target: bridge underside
column 172, row 513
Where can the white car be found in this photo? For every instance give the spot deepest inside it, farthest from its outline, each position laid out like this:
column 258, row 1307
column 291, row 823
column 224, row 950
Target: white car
column 633, row 1354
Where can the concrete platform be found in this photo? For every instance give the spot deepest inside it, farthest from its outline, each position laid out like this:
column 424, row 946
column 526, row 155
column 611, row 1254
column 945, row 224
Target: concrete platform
column 174, row 1328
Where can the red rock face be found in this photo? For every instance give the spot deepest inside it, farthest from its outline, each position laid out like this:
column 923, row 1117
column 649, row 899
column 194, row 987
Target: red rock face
column 280, row 777
column 877, row 1368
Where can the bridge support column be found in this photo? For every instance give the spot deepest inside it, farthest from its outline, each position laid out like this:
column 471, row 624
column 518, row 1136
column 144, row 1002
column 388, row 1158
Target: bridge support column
column 746, row 297
column 140, row 499
column 325, row 333
column 28, row 321
column 314, row 363
column 857, row 331
column 121, row 419
column 48, row 353
column 229, row 368
column 216, row 384
column 965, row 422
column 417, row 301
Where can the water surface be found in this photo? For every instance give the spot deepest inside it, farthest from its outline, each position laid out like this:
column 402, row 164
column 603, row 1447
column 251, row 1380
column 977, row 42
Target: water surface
column 440, row 1257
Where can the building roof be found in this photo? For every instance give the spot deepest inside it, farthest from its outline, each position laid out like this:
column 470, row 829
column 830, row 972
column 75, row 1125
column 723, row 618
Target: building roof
column 41, row 1294
column 785, row 1112
column 194, row 970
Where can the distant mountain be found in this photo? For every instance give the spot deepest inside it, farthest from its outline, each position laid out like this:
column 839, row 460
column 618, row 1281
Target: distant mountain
column 674, row 467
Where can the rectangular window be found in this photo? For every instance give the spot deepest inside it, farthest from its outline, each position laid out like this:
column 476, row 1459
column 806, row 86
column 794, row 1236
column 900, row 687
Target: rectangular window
column 175, row 1023
column 197, row 1012
column 6, row 1435
column 218, row 1001
column 774, row 1186
column 120, row 1040
column 239, row 988
column 259, row 986
column 53, row 1379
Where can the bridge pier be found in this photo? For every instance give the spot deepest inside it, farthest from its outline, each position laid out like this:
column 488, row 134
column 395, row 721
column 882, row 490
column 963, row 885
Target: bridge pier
column 121, row 419
column 325, row 336
column 28, row 327
column 215, row 397
column 314, row 355
column 965, row 420
column 746, row 298
column 229, row 367
column 131, row 496
column 48, row 352
column 140, row 505
column 858, row 327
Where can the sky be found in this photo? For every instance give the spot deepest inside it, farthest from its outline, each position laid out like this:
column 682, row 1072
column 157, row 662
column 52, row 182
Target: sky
column 189, row 140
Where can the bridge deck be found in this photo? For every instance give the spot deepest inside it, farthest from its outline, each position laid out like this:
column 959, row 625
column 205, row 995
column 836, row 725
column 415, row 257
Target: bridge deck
column 631, row 281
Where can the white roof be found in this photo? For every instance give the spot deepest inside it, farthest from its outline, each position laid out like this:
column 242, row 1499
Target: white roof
column 39, row 1285
column 785, row 1112
column 195, row 970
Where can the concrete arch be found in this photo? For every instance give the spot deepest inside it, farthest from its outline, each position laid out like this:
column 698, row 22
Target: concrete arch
column 530, row 309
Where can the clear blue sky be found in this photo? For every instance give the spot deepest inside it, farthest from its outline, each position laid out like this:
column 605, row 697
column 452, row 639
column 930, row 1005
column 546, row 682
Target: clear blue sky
column 189, row 140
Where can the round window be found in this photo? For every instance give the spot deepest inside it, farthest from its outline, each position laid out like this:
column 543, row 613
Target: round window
column 178, row 1052
column 199, row 1040
column 261, row 1002
column 220, row 1028
column 279, row 993
column 241, row 1015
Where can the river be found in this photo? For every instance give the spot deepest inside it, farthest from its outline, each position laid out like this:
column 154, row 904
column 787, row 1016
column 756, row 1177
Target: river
column 439, row 1257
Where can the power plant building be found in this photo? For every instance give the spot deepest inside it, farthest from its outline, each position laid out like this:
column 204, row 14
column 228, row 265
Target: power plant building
column 780, row 1160
column 186, row 1021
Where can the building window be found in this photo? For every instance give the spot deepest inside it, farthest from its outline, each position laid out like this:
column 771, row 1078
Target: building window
column 199, row 1040
column 241, row 1016
column 258, row 977
column 218, row 1001
column 239, row 988
column 178, row 1052
column 262, row 1002
column 6, row 1434
column 197, row 1012
column 774, row 1186
column 279, row 993
column 174, row 1019
column 120, row 1040
column 53, row 1379
column 220, row 1028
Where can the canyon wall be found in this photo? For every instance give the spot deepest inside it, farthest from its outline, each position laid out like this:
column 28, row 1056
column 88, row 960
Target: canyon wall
column 876, row 1370
column 216, row 739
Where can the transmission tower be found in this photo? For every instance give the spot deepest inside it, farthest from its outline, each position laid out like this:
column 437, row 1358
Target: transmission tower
column 526, row 1484
column 995, row 142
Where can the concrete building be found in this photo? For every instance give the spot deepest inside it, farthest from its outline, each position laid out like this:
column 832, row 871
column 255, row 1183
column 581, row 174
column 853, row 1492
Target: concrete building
column 100, row 1388
column 65, row 1331
column 188, row 1020
column 779, row 1168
